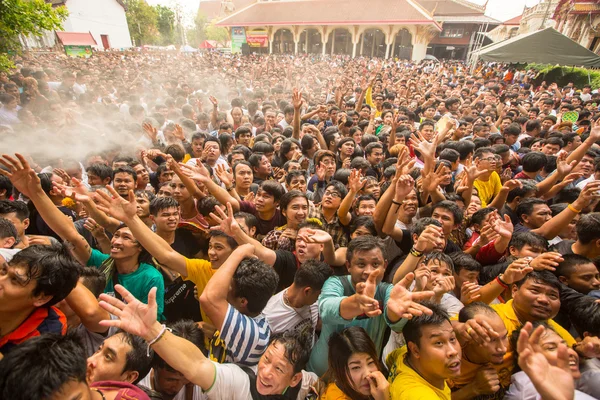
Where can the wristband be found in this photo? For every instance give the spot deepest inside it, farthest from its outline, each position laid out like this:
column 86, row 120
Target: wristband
column 416, row 253
column 570, row 207
column 501, row 282
column 157, row 338
column 396, row 203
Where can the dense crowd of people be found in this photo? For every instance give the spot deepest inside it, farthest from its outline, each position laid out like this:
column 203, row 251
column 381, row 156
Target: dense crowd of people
column 216, row 226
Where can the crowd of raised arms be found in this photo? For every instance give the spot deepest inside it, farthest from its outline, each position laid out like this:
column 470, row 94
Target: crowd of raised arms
column 276, row 227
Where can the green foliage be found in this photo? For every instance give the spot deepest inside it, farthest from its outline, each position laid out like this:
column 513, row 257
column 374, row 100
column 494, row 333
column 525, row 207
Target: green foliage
column 25, row 17
column 166, row 24
column 217, row 33
column 563, row 75
column 142, row 20
column 196, row 35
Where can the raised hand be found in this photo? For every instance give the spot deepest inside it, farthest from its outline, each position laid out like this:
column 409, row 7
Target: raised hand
column 135, row 317
column 224, row 174
column 150, row 131
column 116, row 206
column 513, row 184
column 199, row 173
column 546, row 261
column 226, row 222
column 297, row 99
column 404, row 303
column 404, row 185
column 553, row 382
column 443, row 285
column 355, row 181
column 178, row 132
column 516, row 271
column 92, row 226
column 315, row 236
column 430, row 239
column 503, row 227
column 365, row 292
column 214, row 101
column 470, row 292
column 77, row 192
column 320, row 171
column 379, row 386
column 21, row 175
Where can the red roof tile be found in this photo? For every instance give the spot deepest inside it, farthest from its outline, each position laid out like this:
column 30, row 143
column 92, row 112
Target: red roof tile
column 451, row 7
column 513, row 21
column 76, row 39
column 329, row 12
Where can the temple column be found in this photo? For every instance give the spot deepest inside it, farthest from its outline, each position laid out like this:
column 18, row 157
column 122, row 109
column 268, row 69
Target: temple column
column 420, row 39
column 333, row 42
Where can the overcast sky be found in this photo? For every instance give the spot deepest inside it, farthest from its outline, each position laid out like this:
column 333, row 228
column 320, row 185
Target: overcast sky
column 499, row 9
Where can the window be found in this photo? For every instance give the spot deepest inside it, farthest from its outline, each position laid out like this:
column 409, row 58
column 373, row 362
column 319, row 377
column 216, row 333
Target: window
column 452, row 33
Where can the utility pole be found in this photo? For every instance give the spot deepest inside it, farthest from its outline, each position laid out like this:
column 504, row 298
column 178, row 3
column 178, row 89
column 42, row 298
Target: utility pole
column 546, row 14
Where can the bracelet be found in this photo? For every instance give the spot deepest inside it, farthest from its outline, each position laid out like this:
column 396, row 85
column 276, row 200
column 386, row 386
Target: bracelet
column 570, row 207
column 396, row 203
column 229, row 189
column 501, row 282
column 157, row 338
column 415, row 252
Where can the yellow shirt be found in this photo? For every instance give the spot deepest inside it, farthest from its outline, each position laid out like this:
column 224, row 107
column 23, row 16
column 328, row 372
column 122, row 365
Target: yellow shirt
column 487, row 190
column 407, row 384
column 333, row 392
column 512, row 323
column 200, row 271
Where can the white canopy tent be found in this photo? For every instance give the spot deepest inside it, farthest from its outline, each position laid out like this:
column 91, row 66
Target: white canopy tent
column 546, row 46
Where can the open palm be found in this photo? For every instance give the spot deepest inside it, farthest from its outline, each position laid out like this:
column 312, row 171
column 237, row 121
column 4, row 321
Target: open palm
column 135, row 317
column 23, row 178
column 116, row 206
column 404, row 303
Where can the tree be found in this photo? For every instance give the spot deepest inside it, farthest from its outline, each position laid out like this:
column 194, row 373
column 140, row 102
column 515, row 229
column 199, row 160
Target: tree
column 197, row 35
column 165, row 24
column 217, row 33
column 28, row 18
column 142, row 20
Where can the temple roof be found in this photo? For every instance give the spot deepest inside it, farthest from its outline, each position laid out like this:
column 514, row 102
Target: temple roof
column 330, row 12
column 513, row 21
column 451, row 7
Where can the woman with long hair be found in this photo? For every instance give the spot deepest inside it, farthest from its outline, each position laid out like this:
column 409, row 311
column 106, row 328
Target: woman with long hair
column 355, row 371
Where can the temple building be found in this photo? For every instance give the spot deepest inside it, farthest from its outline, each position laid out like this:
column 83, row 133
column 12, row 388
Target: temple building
column 579, row 20
column 404, row 29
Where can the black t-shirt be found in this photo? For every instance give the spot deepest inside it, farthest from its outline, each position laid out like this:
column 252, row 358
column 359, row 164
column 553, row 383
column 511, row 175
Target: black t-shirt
column 40, row 227
column 286, row 266
column 563, row 247
column 180, row 302
column 185, row 243
column 264, row 226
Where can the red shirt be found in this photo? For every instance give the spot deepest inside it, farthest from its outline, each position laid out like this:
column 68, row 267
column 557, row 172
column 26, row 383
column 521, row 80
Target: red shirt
column 42, row 320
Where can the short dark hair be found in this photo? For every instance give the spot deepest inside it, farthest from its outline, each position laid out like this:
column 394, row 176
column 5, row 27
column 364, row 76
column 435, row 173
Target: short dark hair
column 588, row 228
column 8, row 230
column 125, row 170
column 137, row 358
column 422, row 223
column 584, row 315
column 528, row 185
column 521, row 239
column 207, row 205
column 256, row 281
column 481, row 151
column 297, row 345
column 525, row 207
column 102, row 171
column 188, row 330
column 18, row 207
column 273, row 188
column 287, row 198
column 162, row 203
column 543, row 277
column 363, row 221
column 230, row 241
column 450, row 155
column 413, row 329
column 250, row 219
column 513, row 129
column 312, row 273
column 39, row 367
column 457, row 213
column 93, row 279
column 470, row 311
column 293, row 174
column 338, row 186
column 569, row 263
column 372, row 146
column 534, row 161
column 365, row 243
column 53, row 268
column 463, row 260
column 6, row 184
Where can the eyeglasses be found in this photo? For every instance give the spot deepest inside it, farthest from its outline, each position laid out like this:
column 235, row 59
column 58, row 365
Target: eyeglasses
column 335, row 195
column 489, row 159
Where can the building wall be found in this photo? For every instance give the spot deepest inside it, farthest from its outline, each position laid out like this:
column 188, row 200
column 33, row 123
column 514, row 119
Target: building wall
column 100, row 17
column 533, row 17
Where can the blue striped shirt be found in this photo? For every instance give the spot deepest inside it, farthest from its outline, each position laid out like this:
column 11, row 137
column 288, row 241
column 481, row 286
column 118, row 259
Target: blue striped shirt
column 246, row 338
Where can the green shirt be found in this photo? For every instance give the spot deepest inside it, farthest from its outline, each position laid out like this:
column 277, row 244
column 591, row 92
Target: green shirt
column 330, row 299
column 139, row 282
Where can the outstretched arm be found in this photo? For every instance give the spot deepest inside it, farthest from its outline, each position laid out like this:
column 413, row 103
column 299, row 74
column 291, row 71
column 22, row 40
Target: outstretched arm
column 139, row 319
column 220, row 194
column 297, row 102
column 85, row 305
column 26, row 181
column 214, row 297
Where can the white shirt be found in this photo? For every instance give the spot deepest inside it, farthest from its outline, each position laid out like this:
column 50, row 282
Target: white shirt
column 198, row 394
column 232, row 383
column 282, row 317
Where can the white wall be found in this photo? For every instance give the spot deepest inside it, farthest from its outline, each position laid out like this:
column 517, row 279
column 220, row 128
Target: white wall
column 100, row 17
